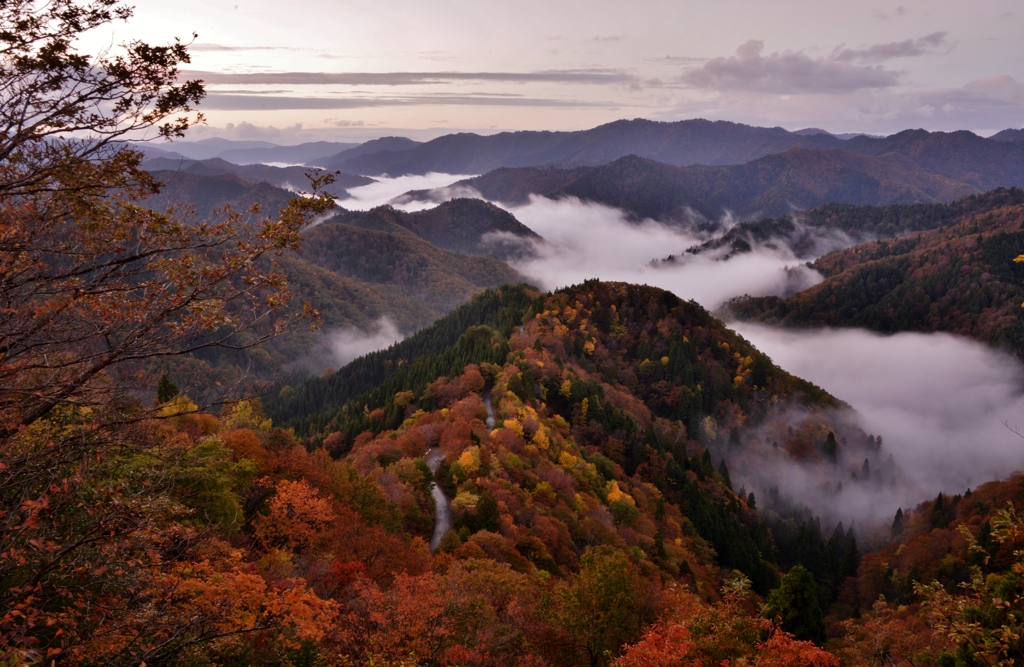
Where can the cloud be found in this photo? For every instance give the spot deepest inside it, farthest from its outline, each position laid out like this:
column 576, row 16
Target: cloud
column 939, row 401
column 198, row 48
column 586, row 240
column 579, row 76
column 256, row 102
column 933, row 43
column 786, row 72
column 348, row 343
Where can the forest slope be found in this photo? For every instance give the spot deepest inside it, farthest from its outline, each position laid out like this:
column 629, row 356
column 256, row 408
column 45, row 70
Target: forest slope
column 960, row 278
column 769, row 186
column 468, row 226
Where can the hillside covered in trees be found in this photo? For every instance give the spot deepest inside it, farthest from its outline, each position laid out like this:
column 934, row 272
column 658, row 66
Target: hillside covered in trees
column 772, row 185
column 960, row 278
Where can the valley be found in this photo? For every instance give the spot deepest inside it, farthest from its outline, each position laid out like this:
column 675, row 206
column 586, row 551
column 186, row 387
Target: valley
column 661, row 391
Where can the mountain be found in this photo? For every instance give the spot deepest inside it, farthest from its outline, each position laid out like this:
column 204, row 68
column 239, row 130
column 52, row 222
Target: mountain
column 290, row 178
column 809, row 233
column 769, row 186
column 960, row 156
column 390, row 144
column 959, row 278
column 1009, row 135
column 438, row 278
column 207, row 192
column 680, row 143
column 468, row 226
column 298, row 154
column 630, row 379
column 205, row 149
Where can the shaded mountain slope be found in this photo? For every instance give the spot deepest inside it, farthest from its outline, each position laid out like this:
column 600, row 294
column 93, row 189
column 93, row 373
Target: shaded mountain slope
column 770, row 186
column 389, row 144
column 959, row 156
column 806, row 234
column 209, row 192
column 290, row 178
column 960, row 279
column 1009, row 135
column 458, row 225
column 438, row 278
column 297, row 154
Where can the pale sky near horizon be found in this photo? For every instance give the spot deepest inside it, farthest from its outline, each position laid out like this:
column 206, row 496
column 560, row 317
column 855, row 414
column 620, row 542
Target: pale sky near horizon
column 354, row 69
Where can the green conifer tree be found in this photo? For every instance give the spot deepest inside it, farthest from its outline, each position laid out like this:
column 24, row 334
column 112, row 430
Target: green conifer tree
column 165, row 389
column 794, row 604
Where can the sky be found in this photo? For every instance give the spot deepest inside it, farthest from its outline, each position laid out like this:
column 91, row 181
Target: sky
column 349, row 70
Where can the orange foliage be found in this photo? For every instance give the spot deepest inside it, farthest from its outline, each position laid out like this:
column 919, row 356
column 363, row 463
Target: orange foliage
column 297, row 519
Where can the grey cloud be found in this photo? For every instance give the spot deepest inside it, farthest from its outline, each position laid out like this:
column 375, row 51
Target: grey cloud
column 222, row 102
column 877, row 53
column 786, row 72
column 584, row 76
column 224, row 47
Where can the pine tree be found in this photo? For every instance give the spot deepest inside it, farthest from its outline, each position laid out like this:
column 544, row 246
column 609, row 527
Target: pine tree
column 831, row 448
column 897, row 525
column 795, row 605
column 165, row 389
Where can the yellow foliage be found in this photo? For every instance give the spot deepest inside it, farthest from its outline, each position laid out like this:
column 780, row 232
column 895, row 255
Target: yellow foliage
column 403, row 398
column 470, row 460
column 514, row 426
column 179, row 405
column 588, row 347
column 615, row 493
column 465, row 500
column 566, row 389
column 561, row 331
column 540, row 438
column 247, row 414
column 664, row 361
column 567, row 460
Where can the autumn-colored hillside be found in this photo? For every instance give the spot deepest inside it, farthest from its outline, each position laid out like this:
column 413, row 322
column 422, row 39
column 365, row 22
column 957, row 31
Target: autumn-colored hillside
column 960, row 279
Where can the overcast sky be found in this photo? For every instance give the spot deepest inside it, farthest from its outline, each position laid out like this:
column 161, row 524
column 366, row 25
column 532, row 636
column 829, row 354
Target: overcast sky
column 352, row 69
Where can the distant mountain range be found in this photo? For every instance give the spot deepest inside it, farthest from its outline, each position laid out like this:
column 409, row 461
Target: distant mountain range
column 682, row 143
column 289, row 178
column 773, row 185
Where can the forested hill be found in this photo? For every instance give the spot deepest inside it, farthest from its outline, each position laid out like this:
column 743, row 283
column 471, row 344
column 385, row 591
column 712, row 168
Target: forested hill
column 804, row 233
column 469, row 226
column 769, row 186
column 960, row 278
column 169, row 170
column 630, row 379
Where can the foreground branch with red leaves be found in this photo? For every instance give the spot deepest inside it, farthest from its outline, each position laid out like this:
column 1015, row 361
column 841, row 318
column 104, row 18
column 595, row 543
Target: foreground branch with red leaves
column 92, row 287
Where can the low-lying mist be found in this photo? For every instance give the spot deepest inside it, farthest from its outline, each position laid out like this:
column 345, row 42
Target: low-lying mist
column 584, row 240
column 386, row 189
column 938, row 401
column 942, row 404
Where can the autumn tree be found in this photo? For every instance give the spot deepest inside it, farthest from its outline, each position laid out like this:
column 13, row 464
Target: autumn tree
column 93, row 287
column 607, row 604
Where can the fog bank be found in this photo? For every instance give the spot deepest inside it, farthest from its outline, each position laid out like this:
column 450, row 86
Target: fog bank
column 941, row 402
column 586, row 240
column 386, row 189
column 349, row 343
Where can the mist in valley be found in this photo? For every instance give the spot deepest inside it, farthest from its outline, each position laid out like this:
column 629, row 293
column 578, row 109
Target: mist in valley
column 946, row 407
column 941, row 403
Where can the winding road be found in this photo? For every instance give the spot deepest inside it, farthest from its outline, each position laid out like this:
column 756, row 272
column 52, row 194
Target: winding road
column 442, row 506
